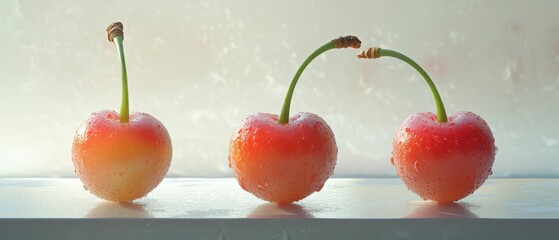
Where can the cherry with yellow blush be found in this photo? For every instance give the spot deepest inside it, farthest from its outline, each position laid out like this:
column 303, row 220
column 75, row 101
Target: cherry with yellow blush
column 440, row 158
column 284, row 159
column 121, row 156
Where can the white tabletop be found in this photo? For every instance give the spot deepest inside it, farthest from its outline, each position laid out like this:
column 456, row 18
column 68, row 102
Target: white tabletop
column 199, row 204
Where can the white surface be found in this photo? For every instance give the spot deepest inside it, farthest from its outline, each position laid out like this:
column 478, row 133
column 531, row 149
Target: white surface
column 223, row 198
column 200, row 66
column 219, row 209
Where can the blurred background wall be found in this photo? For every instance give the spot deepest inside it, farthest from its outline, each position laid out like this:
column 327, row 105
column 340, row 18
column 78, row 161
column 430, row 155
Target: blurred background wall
column 202, row 66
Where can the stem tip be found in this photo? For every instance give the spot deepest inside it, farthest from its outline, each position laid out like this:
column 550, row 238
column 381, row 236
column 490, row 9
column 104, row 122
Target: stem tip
column 369, row 53
column 347, row 41
column 115, row 29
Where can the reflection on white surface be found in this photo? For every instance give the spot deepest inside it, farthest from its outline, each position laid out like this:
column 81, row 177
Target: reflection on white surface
column 201, row 66
column 272, row 210
column 118, row 210
column 439, row 210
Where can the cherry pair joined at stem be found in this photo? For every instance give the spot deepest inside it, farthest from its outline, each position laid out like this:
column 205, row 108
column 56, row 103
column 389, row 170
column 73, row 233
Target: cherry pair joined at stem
column 440, row 158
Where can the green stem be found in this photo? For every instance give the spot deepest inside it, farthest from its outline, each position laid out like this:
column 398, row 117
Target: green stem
column 284, row 115
column 124, row 112
column 341, row 42
column 441, row 112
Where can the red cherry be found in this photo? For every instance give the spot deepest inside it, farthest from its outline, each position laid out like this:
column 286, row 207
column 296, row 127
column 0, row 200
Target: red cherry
column 444, row 162
column 121, row 161
column 282, row 163
column 121, row 157
column 440, row 158
column 282, row 159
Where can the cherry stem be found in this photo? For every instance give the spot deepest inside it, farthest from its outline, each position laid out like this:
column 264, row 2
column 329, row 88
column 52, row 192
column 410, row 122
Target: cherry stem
column 115, row 33
column 379, row 52
column 341, row 42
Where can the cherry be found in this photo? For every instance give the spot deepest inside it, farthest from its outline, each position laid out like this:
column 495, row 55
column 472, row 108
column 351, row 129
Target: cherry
column 439, row 158
column 121, row 157
column 282, row 159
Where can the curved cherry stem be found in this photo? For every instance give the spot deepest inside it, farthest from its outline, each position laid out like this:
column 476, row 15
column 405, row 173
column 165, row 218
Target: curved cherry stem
column 379, row 52
column 115, row 31
column 341, row 42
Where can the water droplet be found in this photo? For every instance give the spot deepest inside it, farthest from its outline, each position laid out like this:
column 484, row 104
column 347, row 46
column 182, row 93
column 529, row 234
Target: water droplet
column 392, row 160
column 85, row 188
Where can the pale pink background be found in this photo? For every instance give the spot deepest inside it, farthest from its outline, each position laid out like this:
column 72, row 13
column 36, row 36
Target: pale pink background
column 202, row 66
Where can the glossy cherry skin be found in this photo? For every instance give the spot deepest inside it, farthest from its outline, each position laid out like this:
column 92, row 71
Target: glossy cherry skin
column 282, row 163
column 444, row 162
column 121, row 161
